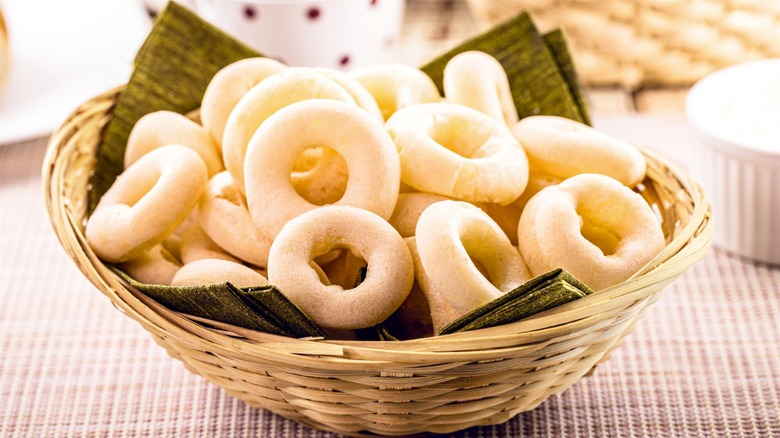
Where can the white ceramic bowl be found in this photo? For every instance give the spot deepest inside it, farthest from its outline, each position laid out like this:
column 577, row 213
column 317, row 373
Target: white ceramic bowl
column 735, row 116
column 340, row 34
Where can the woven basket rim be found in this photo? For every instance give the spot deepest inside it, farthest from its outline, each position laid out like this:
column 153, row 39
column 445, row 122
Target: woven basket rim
column 689, row 245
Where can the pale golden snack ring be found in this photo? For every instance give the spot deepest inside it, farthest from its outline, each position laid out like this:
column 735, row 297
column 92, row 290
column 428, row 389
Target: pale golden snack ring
column 389, row 277
column 172, row 243
column 396, row 86
column 227, row 87
column 564, row 148
column 197, row 245
column 477, row 80
column 156, row 266
column 458, row 152
column 272, row 94
column 408, row 209
column 146, row 203
column 442, row 313
column 592, row 226
column 162, row 128
column 403, row 188
column 225, row 219
column 216, row 271
column 374, row 174
column 363, row 98
column 449, row 235
column 536, row 182
column 505, row 216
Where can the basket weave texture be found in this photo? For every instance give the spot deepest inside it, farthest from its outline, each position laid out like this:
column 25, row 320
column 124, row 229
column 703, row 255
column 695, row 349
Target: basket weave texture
column 440, row 384
column 639, row 42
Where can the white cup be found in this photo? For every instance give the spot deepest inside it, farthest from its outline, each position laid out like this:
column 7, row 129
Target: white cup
column 340, row 34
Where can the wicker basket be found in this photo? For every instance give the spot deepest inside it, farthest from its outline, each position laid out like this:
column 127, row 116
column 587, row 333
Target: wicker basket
column 439, row 384
column 638, row 42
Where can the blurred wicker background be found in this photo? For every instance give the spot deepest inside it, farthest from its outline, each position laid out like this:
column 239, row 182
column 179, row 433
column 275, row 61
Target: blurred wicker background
column 632, row 55
column 638, row 42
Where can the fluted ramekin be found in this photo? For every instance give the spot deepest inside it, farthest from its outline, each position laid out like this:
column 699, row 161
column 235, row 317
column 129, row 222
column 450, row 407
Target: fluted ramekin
column 740, row 173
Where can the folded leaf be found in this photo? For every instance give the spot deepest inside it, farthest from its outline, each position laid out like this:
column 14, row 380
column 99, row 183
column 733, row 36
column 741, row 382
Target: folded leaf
column 537, row 84
column 257, row 308
column 556, row 42
column 536, row 295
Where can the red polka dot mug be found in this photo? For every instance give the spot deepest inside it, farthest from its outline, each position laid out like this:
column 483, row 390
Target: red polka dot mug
column 325, row 33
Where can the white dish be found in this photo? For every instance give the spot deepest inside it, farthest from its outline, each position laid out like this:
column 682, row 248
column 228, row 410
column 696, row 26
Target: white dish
column 737, row 155
column 61, row 54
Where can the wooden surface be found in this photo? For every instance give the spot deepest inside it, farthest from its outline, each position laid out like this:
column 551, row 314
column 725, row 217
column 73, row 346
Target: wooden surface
column 433, row 26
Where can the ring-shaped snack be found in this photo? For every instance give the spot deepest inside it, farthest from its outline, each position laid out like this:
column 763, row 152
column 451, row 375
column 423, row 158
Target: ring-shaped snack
column 455, row 151
column 162, row 128
column 536, row 182
column 389, row 277
column 477, row 80
column 156, row 266
column 506, row 216
column 146, row 203
column 450, row 236
column 564, row 148
column 214, row 271
column 227, row 87
column 224, row 216
column 441, row 312
column 292, row 85
column 363, row 98
column 408, row 209
column 374, row 169
column 592, row 226
column 396, row 86
column 196, row 245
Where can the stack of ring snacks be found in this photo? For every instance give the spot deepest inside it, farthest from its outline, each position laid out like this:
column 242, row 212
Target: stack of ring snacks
column 309, row 179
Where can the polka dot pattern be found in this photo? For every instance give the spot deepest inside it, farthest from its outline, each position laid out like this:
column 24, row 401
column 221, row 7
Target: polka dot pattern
column 250, row 12
column 313, row 13
column 336, row 39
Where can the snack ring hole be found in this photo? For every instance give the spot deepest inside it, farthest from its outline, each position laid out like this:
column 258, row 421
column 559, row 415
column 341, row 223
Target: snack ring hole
column 602, row 237
column 482, row 269
column 231, row 194
column 487, row 262
column 461, row 137
column 596, row 226
column 342, row 270
column 320, row 175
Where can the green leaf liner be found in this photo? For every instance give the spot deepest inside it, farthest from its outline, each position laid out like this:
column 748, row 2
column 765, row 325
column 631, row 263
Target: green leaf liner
column 258, row 308
column 537, row 295
column 537, row 84
column 172, row 71
column 556, row 43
